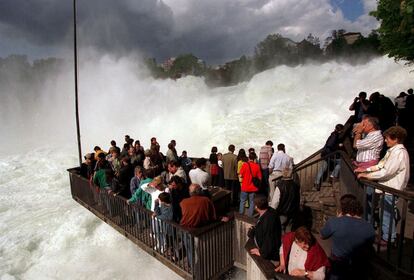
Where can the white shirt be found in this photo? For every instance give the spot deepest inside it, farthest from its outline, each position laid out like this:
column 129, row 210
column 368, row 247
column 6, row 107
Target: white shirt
column 153, row 192
column 394, row 168
column 370, row 147
column 280, row 161
column 297, row 259
column 199, row 176
column 180, row 173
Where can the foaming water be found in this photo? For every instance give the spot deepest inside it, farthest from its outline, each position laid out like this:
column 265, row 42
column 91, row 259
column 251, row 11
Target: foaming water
column 297, row 106
column 46, row 235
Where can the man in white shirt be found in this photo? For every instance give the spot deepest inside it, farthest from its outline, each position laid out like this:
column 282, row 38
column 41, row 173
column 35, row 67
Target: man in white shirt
column 392, row 171
column 174, row 169
column 279, row 162
column 154, row 188
column 199, row 175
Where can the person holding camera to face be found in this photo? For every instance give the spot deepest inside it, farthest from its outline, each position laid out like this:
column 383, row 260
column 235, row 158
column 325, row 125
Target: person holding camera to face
column 360, row 106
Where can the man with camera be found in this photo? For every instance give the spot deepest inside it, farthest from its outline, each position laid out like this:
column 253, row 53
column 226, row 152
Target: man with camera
column 360, row 106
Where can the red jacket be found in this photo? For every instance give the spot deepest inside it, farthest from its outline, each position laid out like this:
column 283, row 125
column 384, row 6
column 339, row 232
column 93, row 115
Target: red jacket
column 316, row 255
column 247, row 184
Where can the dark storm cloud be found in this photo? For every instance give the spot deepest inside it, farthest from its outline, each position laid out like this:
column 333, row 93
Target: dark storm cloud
column 115, row 26
column 124, row 26
column 214, row 30
column 41, row 21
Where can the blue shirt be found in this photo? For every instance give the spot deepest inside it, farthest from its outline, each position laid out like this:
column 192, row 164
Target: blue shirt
column 134, row 184
column 348, row 234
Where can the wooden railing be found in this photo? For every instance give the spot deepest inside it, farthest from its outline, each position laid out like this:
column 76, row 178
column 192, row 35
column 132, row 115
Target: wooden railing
column 202, row 253
column 397, row 256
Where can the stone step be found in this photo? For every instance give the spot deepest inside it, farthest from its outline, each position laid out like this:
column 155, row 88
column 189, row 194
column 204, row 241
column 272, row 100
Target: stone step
column 314, row 205
column 315, row 196
column 328, row 201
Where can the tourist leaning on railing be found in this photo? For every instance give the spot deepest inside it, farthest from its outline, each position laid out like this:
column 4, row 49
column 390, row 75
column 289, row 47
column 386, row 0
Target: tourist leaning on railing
column 122, row 183
column 178, row 191
column 369, row 147
column 333, row 143
column 87, row 167
column 352, row 239
column 141, row 197
column 197, row 210
column 301, row 255
column 136, row 180
column 103, row 179
column 163, row 212
column 267, row 231
column 392, row 171
column 102, row 163
column 154, row 188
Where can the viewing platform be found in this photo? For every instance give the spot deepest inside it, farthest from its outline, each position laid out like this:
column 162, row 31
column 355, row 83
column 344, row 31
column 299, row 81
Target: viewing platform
column 210, row 251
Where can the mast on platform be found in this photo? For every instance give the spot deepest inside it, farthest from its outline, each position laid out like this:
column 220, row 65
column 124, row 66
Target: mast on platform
column 75, row 52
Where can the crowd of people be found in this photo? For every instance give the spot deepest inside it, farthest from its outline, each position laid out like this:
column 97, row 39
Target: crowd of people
column 175, row 188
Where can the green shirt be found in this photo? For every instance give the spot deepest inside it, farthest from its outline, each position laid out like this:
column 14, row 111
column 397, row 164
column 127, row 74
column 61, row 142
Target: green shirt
column 99, row 179
column 140, row 195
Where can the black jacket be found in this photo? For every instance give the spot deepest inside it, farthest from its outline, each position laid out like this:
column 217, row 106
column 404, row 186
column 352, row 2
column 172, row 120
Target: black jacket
column 289, row 201
column 268, row 234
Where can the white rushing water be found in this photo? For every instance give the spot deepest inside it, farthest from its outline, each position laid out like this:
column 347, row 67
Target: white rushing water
column 46, row 235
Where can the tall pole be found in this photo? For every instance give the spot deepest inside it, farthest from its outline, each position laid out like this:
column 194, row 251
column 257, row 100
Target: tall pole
column 75, row 52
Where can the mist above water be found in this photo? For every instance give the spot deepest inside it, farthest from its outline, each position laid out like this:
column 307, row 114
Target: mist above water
column 297, row 106
column 46, row 235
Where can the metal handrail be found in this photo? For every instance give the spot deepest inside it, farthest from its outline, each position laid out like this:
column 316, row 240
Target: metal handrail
column 363, row 189
column 346, row 131
column 202, row 246
column 400, row 193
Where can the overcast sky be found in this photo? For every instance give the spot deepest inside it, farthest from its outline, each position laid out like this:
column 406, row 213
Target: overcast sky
column 214, row 30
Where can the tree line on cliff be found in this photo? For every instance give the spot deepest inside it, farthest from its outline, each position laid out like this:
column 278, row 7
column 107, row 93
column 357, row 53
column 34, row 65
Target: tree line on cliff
column 273, row 51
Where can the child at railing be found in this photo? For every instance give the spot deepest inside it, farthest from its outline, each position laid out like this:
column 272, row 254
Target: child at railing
column 162, row 212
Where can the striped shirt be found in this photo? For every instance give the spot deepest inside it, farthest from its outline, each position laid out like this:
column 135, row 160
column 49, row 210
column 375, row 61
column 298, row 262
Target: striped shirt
column 264, row 156
column 370, row 147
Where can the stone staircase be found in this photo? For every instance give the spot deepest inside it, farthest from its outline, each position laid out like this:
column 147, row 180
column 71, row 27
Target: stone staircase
column 323, row 203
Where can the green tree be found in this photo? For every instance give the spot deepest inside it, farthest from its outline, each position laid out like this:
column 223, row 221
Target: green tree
column 155, row 69
column 309, row 49
column 187, row 64
column 368, row 45
column 338, row 46
column 275, row 50
column 396, row 32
